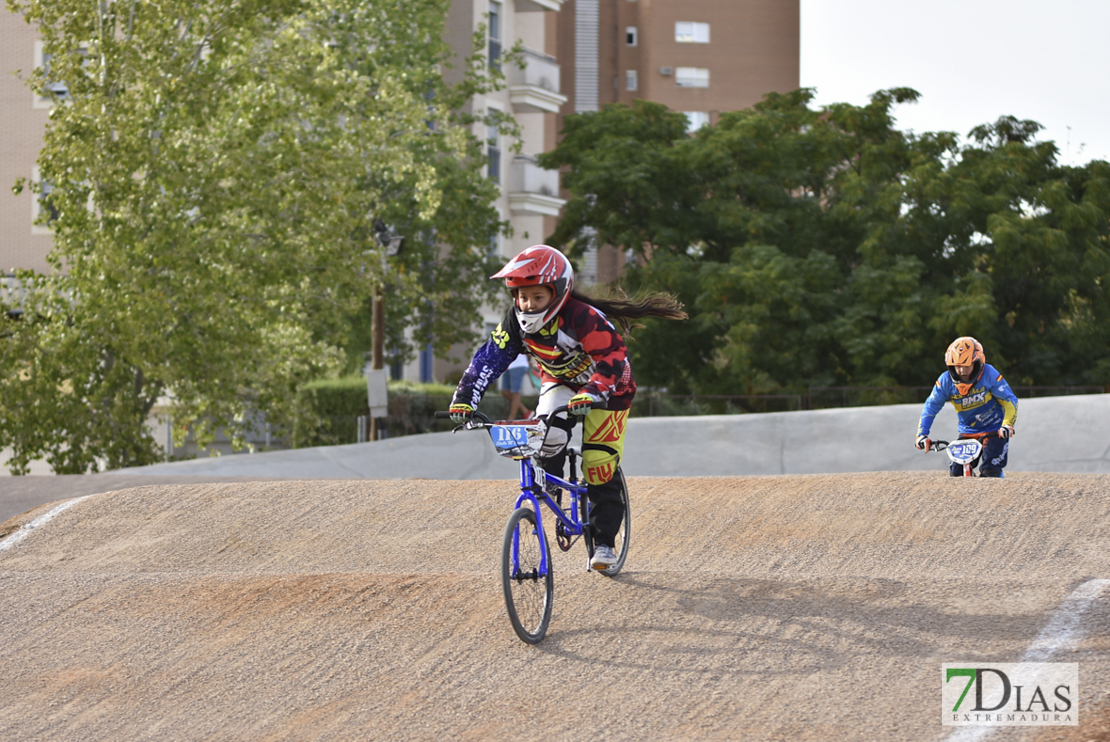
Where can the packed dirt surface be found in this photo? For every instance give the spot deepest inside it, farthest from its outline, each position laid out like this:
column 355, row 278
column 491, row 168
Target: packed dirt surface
column 20, row 494
column 813, row 607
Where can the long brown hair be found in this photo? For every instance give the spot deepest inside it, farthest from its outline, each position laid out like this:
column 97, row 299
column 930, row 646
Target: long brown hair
column 615, row 305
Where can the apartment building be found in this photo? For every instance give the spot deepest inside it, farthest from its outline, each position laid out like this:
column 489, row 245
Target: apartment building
column 697, row 56
column 701, row 57
column 23, row 116
column 529, row 199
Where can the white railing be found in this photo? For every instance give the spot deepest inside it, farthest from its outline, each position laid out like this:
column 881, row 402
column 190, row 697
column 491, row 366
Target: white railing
column 541, row 71
column 525, row 6
column 526, row 176
column 533, row 190
column 534, row 88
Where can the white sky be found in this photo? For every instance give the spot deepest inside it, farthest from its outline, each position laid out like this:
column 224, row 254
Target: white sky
column 972, row 61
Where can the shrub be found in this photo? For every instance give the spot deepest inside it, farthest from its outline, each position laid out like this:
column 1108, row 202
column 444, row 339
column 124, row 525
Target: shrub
column 330, row 408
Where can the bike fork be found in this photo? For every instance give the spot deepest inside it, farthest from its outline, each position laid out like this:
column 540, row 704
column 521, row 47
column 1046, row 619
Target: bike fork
column 545, row 556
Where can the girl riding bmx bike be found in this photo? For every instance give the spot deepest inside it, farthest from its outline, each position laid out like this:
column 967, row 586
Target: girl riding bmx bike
column 584, row 368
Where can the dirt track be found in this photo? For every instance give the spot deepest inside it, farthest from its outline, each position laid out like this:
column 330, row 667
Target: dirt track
column 785, row 608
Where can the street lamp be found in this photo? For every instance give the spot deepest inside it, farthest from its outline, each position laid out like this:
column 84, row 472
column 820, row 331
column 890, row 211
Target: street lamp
column 391, row 244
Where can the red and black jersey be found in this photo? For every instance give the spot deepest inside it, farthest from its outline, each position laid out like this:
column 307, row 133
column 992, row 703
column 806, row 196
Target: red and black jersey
column 580, row 349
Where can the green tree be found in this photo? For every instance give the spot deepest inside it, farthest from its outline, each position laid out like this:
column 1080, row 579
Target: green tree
column 219, row 173
column 825, row 246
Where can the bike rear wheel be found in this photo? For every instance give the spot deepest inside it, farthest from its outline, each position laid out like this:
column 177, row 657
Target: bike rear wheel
column 528, row 594
column 624, row 535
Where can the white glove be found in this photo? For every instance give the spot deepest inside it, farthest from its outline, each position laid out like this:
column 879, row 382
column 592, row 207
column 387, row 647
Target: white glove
column 923, row 442
column 1006, row 432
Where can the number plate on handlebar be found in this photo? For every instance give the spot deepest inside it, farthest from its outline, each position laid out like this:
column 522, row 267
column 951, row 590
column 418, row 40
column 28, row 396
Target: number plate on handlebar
column 964, row 451
column 518, row 440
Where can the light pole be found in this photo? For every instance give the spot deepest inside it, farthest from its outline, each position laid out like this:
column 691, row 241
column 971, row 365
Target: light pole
column 391, row 246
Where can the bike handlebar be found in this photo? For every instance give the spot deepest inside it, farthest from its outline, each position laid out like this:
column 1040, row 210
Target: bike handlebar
column 941, row 445
column 441, row 414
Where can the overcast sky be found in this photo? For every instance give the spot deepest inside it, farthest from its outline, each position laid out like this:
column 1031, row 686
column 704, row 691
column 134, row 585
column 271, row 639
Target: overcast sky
column 972, row 61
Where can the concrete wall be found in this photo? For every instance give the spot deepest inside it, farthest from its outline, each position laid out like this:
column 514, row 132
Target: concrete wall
column 1055, row 434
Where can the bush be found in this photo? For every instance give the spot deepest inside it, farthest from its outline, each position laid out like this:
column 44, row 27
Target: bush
column 345, row 396
column 331, row 407
column 323, row 405
column 412, row 405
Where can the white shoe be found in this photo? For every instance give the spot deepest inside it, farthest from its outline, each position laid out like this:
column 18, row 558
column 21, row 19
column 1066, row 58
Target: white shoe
column 603, row 557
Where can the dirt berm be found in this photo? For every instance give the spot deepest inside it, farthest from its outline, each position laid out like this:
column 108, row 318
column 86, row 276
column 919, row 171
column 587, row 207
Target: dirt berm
column 815, row 607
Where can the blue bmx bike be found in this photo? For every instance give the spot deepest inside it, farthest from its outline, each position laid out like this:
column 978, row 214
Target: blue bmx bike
column 527, row 575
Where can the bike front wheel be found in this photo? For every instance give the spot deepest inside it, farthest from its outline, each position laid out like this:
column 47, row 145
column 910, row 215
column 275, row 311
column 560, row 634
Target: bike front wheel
column 528, row 593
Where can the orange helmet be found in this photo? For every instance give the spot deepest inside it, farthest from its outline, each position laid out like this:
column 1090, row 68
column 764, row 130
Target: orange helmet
column 539, row 265
column 965, row 351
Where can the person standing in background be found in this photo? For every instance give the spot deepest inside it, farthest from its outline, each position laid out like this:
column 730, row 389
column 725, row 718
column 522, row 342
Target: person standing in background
column 511, row 382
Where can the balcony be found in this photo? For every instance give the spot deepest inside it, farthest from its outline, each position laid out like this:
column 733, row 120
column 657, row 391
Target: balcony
column 535, row 89
column 525, row 6
column 533, row 190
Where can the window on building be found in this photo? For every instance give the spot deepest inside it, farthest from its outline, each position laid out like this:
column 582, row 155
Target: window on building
column 493, row 152
column 695, row 120
column 691, row 33
column 52, row 90
column 630, row 35
column 57, row 88
column 493, row 249
column 494, row 35
column 45, row 205
column 691, row 77
column 43, row 213
column 631, row 80
column 427, row 364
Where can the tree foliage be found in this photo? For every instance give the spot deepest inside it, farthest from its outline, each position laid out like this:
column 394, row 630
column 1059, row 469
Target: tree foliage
column 827, row 247
column 220, row 173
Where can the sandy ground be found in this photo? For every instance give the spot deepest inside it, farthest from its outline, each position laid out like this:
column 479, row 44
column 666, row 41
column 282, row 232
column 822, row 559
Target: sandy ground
column 815, row 607
column 20, row 494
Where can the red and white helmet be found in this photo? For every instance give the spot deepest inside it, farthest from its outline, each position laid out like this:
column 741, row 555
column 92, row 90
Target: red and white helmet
column 539, row 265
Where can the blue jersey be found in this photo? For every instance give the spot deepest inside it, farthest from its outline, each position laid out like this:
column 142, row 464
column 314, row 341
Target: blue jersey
column 988, row 405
